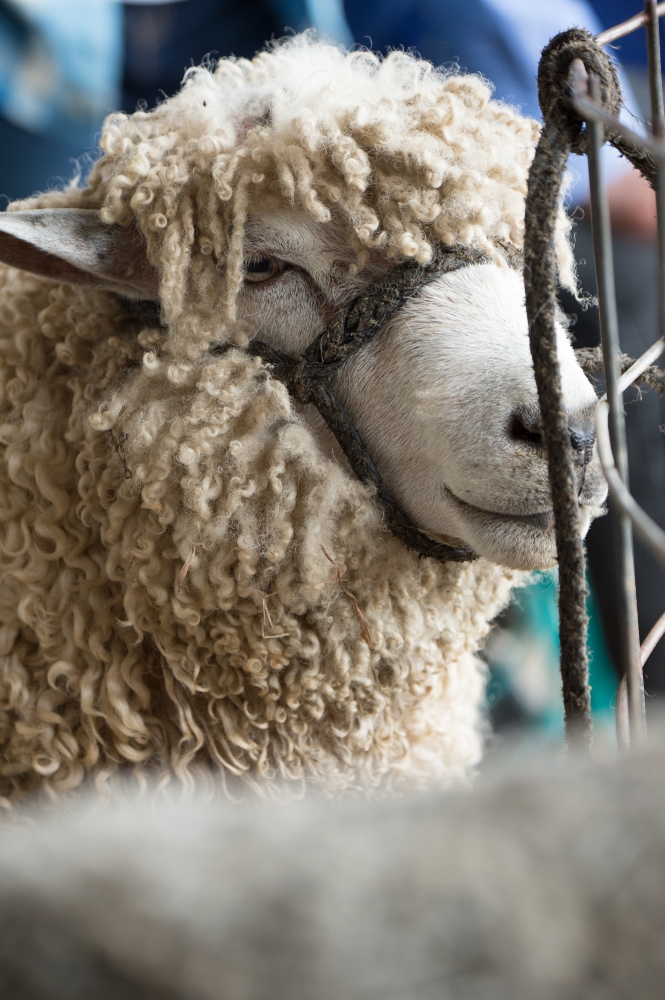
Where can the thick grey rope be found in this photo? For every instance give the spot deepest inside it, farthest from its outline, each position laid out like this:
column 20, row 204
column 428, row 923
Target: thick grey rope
column 563, row 133
column 539, row 278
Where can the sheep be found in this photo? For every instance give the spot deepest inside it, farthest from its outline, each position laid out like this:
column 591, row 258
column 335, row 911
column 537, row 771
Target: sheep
column 193, row 581
column 546, row 881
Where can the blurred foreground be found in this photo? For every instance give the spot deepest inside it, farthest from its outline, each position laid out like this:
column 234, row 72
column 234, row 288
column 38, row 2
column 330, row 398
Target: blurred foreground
column 547, row 881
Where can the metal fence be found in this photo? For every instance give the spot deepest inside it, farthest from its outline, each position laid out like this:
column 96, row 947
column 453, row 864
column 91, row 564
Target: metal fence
column 584, row 92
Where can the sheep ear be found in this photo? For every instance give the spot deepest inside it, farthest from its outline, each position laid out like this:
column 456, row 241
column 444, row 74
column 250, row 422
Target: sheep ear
column 73, row 245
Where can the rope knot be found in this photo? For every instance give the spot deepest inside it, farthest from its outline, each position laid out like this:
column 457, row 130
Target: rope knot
column 554, row 93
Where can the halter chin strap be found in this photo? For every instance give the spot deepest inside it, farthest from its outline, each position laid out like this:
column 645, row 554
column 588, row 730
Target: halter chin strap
column 308, row 378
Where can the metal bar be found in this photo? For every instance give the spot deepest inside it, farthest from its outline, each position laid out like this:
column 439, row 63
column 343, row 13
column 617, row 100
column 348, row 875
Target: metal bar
column 658, row 132
column 653, row 536
column 590, row 110
column 621, row 712
column 629, row 658
column 645, row 361
column 652, row 640
column 655, row 78
column 621, row 708
column 626, row 27
column 650, row 533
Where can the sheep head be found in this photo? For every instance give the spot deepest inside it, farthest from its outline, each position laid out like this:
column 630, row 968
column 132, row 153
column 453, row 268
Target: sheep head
column 262, row 217
column 170, row 516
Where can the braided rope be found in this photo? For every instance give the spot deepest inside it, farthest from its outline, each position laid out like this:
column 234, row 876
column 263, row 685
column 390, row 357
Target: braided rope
column 564, row 132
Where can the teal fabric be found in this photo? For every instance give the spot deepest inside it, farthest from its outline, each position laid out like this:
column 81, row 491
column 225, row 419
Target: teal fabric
column 523, row 656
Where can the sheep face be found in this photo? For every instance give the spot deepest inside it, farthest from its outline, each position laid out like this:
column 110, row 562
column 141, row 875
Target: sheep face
column 444, row 398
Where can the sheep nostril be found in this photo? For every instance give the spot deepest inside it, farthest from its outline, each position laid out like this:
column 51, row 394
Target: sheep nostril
column 525, row 428
column 582, row 440
column 522, row 428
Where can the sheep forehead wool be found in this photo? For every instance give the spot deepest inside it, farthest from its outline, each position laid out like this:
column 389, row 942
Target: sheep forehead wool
column 404, row 154
column 185, row 579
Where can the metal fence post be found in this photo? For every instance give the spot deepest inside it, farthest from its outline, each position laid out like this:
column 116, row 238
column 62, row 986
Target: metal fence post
column 629, row 653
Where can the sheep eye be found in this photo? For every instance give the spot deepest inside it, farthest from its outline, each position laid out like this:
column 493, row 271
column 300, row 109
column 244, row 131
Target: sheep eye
column 258, row 268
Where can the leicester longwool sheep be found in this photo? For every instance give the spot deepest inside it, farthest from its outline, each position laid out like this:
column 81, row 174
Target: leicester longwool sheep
column 192, row 580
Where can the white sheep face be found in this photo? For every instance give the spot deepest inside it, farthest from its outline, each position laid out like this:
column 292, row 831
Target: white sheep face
column 444, row 397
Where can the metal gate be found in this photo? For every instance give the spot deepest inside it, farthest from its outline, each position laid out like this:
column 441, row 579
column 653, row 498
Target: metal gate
column 580, row 91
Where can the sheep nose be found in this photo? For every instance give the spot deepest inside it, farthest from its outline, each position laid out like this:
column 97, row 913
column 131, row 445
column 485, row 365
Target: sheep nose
column 582, row 439
column 525, row 426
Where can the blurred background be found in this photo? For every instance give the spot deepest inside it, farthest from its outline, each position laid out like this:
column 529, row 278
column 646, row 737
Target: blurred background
column 65, row 64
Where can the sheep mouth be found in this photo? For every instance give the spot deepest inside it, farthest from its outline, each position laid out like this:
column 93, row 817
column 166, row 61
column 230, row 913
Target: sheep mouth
column 543, row 520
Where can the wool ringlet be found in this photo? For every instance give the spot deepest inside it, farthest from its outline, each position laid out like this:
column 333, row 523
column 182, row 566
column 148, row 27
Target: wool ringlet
column 166, row 598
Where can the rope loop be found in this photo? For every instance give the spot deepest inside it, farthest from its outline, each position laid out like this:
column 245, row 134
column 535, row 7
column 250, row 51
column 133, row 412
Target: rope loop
column 554, row 94
column 564, row 132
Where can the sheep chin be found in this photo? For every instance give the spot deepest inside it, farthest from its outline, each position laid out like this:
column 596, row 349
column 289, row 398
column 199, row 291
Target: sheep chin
column 515, row 543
